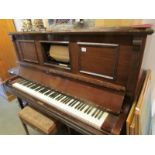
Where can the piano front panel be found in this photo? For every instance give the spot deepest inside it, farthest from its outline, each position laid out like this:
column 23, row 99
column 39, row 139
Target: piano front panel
column 28, row 51
column 114, row 69
column 98, row 59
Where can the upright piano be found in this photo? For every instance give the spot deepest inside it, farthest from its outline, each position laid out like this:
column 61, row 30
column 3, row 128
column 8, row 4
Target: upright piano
column 89, row 89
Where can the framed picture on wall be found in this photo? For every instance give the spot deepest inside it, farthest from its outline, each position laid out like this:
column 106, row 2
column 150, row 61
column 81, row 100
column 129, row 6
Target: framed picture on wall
column 59, row 23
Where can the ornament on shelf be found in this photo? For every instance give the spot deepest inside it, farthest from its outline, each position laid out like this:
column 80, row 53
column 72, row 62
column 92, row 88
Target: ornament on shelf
column 27, row 25
column 38, row 25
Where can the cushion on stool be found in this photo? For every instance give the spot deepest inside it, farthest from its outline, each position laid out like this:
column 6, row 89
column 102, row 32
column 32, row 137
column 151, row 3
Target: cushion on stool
column 35, row 119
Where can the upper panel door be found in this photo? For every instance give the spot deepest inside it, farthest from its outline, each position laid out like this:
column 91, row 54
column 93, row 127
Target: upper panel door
column 28, row 51
column 98, row 59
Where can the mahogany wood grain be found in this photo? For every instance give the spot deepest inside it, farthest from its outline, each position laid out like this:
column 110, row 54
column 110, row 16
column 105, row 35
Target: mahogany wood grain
column 105, row 99
column 99, row 60
column 27, row 50
column 64, row 118
column 111, row 52
column 119, row 65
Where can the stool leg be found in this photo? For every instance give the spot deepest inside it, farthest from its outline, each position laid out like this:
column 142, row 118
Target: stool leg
column 25, row 127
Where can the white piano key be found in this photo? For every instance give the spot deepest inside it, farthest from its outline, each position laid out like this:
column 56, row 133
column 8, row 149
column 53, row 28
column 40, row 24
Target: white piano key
column 79, row 114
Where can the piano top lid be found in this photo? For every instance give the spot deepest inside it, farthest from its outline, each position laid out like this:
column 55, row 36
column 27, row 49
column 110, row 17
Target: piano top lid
column 100, row 30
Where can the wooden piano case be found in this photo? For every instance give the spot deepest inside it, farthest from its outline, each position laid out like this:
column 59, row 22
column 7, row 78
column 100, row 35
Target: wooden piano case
column 104, row 69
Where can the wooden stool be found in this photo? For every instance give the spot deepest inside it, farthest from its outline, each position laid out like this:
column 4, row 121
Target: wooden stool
column 37, row 120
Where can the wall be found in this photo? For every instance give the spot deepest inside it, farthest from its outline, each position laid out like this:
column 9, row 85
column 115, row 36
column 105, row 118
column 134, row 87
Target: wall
column 149, row 60
column 116, row 22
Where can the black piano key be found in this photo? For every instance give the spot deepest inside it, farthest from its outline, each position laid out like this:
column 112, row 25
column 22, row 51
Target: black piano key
column 87, row 109
column 100, row 115
column 97, row 113
column 40, row 88
column 37, row 88
column 64, row 99
column 83, row 107
column 44, row 90
column 26, row 83
column 54, row 95
column 30, row 85
column 67, row 100
column 51, row 95
column 77, row 105
column 60, row 97
column 74, row 103
column 90, row 110
column 29, row 82
column 23, row 82
column 34, row 84
column 81, row 103
column 33, row 87
column 47, row 93
column 94, row 112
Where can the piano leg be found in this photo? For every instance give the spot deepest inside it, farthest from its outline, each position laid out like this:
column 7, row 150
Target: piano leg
column 69, row 130
column 20, row 103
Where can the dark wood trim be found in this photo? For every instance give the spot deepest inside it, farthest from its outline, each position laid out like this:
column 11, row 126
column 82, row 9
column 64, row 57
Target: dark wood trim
column 94, row 44
column 21, row 50
column 76, row 77
column 97, row 44
column 106, row 30
column 55, row 42
column 138, row 51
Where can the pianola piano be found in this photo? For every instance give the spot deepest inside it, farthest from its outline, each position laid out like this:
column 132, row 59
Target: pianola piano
column 93, row 90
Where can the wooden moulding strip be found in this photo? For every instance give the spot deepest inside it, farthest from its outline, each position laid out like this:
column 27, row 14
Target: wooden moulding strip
column 76, row 77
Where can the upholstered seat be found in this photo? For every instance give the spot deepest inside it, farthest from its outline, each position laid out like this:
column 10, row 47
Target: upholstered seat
column 37, row 120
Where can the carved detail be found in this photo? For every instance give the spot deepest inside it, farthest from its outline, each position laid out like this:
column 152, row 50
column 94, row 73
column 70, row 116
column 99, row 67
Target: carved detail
column 137, row 42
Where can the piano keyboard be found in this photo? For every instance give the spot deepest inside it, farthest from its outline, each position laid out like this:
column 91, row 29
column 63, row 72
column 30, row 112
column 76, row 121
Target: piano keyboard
column 89, row 114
